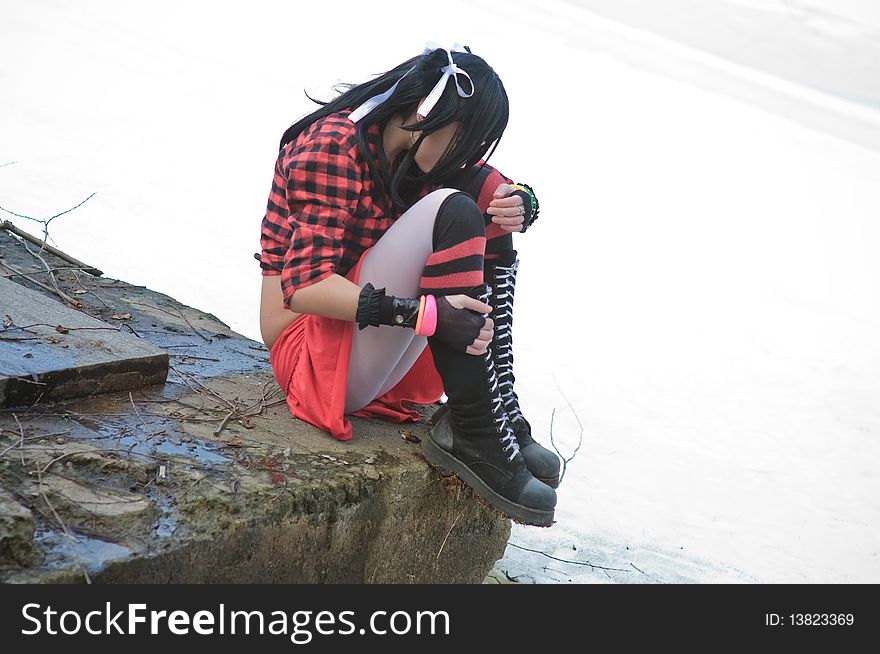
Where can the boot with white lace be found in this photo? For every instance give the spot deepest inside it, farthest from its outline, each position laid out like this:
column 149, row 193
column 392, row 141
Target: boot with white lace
column 473, row 437
column 501, row 274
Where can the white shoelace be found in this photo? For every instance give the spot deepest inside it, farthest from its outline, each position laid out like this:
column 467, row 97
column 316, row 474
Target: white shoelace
column 505, row 281
column 499, row 415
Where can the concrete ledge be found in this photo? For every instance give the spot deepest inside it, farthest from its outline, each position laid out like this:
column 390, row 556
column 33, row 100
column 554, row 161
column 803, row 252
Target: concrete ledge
column 208, row 478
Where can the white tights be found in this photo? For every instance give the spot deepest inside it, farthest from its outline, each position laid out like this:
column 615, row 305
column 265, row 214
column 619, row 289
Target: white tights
column 381, row 356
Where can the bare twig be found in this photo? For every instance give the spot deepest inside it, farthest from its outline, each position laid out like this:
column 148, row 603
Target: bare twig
column 39, row 397
column 178, row 314
column 7, row 225
column 223, row 424
column 71, row 209
column 18, row 215
column 189, row 356
column 565, row 460
column 25, row 237
column 46, row 222
column 133, row 406
column 120, row 285
column 70, row 329
column 30, row 279
column 443, row 544
column 138, row 414
column 245, row 412
column 209, row 391
column 55, row 269
column 52, row 279
column 82, row 287
column 639, row 569
column 21, row 431
column 200, row 334
column 556, row 558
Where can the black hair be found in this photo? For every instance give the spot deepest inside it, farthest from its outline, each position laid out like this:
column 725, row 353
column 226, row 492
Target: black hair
column 483, row 117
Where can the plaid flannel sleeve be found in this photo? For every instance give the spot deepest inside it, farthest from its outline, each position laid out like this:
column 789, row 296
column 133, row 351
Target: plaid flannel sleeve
column 322, row 189
column 274, row 232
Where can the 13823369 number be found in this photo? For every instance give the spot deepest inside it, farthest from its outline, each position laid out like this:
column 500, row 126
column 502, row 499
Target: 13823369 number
column 821, row 619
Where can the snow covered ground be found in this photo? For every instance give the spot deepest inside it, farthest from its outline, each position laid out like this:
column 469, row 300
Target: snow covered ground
column 702, row 285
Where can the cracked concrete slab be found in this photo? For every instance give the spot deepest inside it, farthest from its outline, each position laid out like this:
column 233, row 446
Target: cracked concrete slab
column 52, row 351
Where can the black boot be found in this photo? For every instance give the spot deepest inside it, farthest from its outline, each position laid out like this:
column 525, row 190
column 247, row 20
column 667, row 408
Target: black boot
column 501, row 275
column 473, row 438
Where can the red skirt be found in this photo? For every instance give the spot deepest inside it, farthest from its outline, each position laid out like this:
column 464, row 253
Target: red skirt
column 310, row 362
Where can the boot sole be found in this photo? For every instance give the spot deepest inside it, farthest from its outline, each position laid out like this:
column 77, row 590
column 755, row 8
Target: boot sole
column 439, row 457
column 552, row 482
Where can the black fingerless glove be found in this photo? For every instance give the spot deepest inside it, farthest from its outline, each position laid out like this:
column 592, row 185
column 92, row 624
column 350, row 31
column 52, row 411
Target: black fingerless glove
column 375, row 308
column 530, row 204
column 458, row 328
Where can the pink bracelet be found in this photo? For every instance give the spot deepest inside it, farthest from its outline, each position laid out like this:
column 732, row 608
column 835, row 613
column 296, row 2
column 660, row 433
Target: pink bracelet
column 429, row 319
column 421, row 313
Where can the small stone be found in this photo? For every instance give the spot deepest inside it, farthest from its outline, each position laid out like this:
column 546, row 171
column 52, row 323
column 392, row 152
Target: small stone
column 409, row 436
column 370, row 472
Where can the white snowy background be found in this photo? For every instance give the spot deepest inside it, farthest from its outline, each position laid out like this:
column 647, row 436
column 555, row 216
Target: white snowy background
column 702, row 285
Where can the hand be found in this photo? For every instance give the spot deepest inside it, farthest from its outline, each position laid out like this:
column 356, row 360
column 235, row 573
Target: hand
column 462, row 323
column 507, row 210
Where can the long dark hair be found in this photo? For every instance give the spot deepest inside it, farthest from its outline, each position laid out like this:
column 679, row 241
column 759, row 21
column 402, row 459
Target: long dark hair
column 483, row 117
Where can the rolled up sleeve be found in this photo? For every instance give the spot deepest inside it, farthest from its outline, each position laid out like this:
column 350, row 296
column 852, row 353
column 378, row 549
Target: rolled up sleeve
column 275, row 230
column 322, row 190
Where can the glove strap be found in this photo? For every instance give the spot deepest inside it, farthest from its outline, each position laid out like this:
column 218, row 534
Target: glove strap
column 376, row 308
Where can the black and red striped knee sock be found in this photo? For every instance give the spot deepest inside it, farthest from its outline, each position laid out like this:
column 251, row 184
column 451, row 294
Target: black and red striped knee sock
column 459, row 240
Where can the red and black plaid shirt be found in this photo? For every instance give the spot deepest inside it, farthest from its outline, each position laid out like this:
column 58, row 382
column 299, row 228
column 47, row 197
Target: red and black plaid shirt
column 324, row 209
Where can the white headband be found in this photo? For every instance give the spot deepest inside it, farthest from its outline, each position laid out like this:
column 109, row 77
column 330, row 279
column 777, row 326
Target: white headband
column 450, row 70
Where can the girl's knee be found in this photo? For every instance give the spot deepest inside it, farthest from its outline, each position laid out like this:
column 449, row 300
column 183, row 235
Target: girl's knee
column 435, row 198
column 458, row 212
